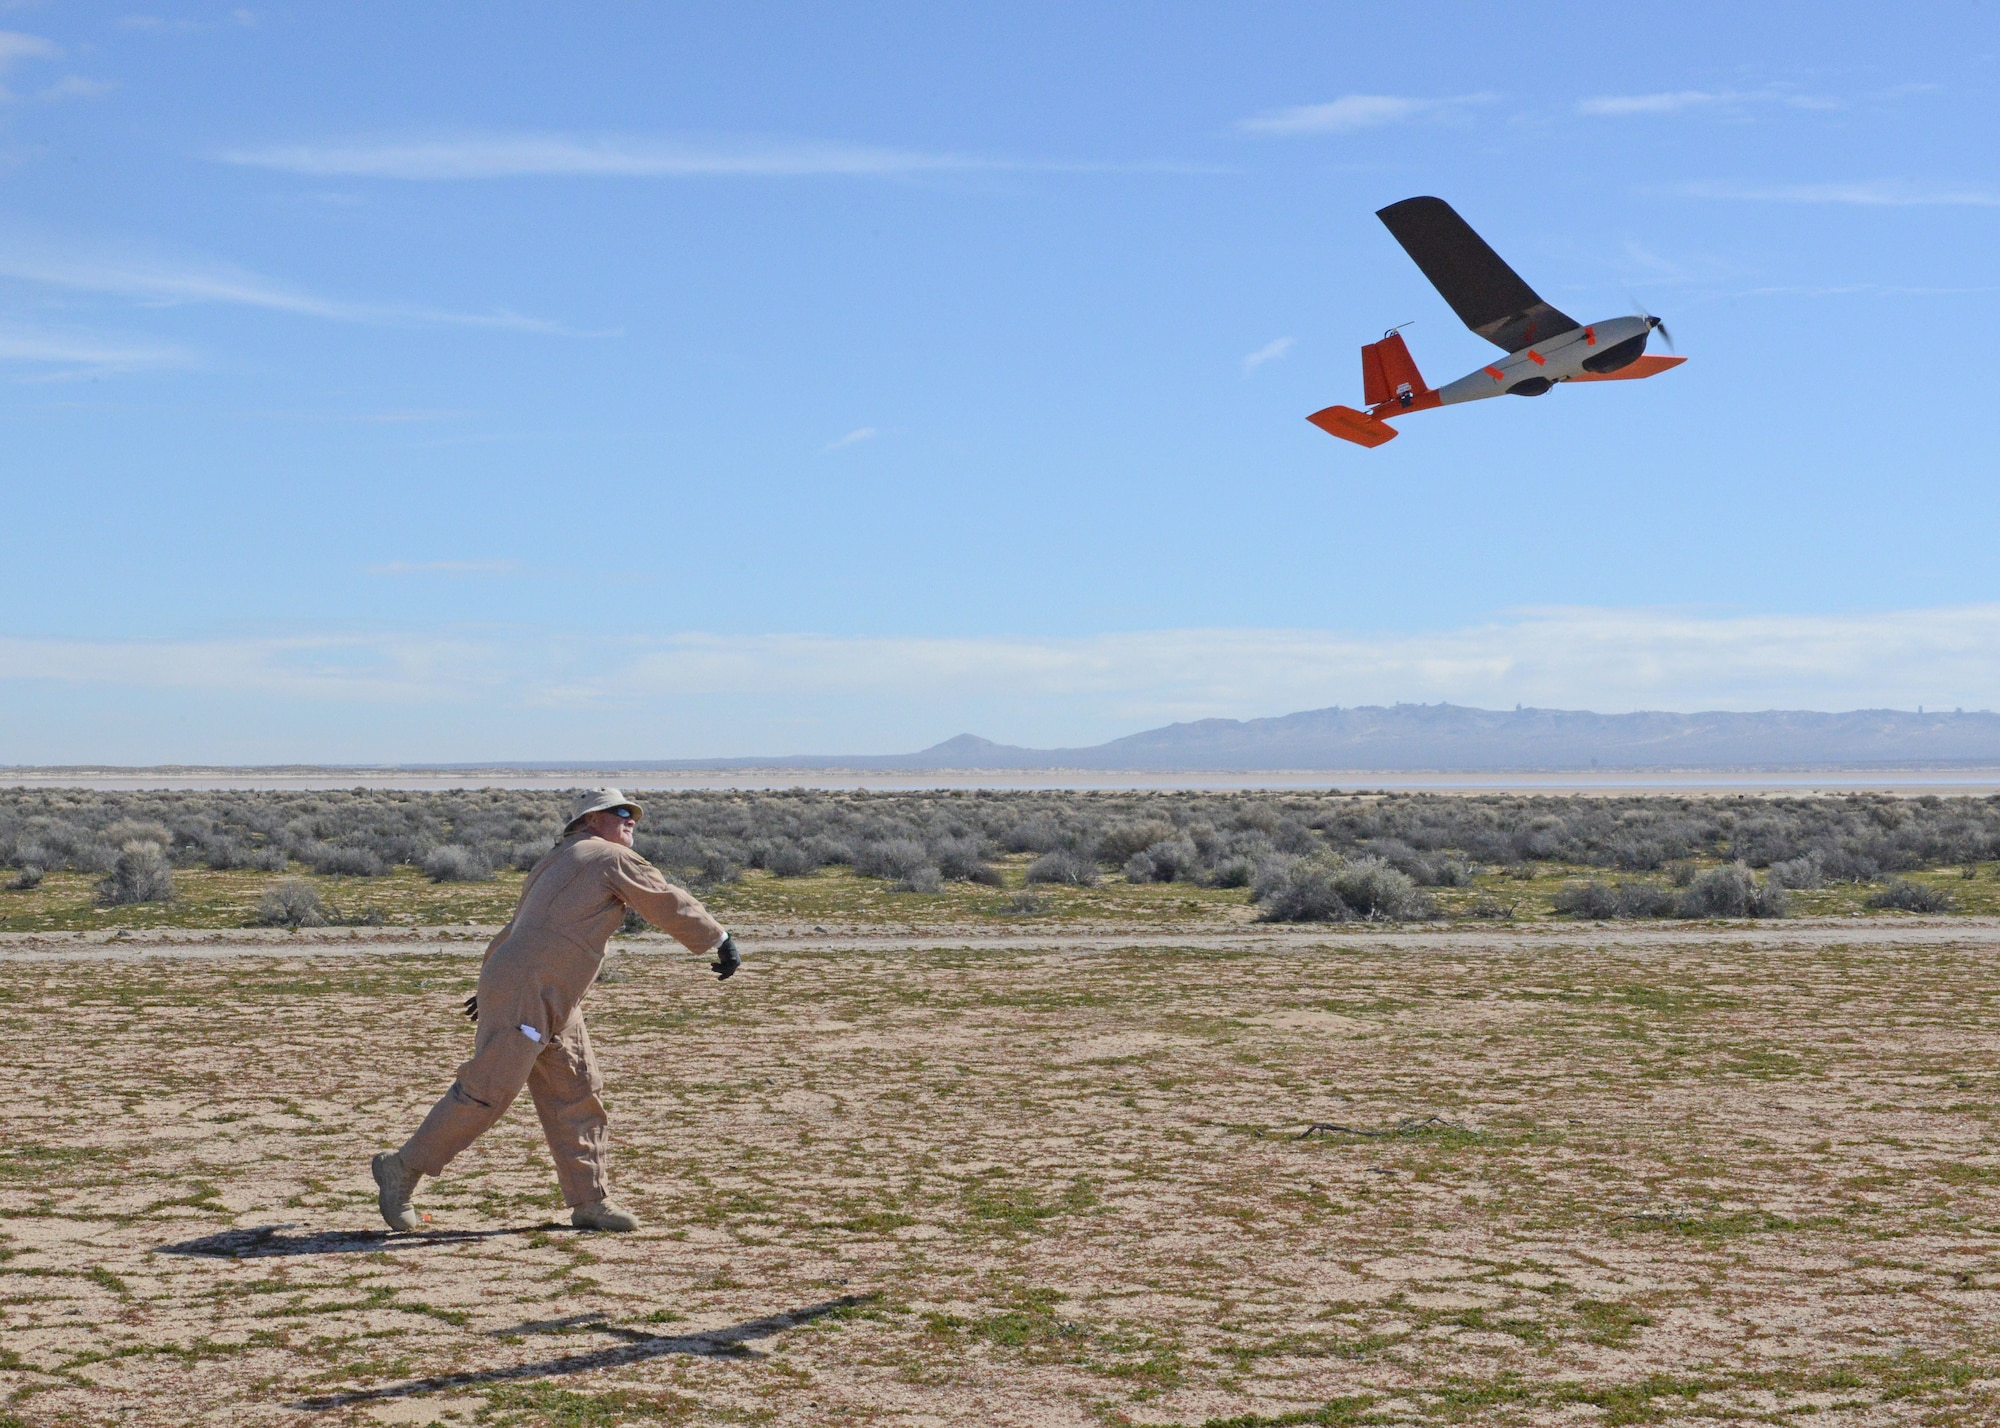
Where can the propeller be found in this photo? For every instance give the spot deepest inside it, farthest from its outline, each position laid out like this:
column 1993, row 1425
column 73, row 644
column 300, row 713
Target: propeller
column 1652, row 322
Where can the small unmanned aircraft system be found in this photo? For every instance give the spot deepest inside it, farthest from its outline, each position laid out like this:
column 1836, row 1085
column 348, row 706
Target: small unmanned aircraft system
column 1543, row 346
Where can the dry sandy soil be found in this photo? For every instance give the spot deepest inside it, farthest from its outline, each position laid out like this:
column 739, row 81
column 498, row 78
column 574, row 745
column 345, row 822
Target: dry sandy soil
column 1574, row 1175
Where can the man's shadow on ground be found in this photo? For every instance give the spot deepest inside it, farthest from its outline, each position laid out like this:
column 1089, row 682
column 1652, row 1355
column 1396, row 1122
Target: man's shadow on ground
column 732, row 1340
column 271, row 1241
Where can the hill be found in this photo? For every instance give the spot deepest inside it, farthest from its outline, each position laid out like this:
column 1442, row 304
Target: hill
column 1452, row 738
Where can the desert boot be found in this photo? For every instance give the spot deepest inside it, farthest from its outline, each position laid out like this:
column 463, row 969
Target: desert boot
column 603, row 1215
column 396, row 1181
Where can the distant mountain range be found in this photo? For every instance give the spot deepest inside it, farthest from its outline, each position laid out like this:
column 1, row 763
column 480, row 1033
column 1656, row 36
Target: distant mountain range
column 1449, row 738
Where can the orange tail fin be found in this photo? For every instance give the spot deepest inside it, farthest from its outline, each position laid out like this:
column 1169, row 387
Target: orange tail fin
column 1351, row 425
column 1389, row 373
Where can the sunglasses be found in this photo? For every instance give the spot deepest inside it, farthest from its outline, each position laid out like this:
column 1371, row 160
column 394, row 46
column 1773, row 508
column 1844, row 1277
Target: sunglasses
column 627, row 814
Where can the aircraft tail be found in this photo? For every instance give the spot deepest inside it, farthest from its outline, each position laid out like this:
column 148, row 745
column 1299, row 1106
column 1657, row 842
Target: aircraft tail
column 1389, row 373
column 1351, row 425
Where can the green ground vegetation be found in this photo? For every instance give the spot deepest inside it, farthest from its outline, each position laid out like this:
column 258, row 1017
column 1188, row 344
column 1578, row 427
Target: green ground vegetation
column 838, row 897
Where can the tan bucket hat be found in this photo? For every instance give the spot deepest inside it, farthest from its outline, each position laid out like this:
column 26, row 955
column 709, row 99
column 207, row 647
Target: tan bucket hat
column 598, row 800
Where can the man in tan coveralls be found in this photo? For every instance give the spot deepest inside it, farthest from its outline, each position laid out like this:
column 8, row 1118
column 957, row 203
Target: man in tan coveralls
column 529, row 1010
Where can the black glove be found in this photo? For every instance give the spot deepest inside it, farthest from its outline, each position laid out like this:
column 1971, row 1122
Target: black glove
column 727, row 959
column 472, row 1007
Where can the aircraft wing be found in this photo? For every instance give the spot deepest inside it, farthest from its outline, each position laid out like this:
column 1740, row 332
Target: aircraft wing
column 1488, row 296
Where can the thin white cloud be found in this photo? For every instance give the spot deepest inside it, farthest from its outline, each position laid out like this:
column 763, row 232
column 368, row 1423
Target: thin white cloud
column 15, row 46
column 1686, row 101
column 1888, row 290
column 1643, row 265
column 90, row 352
column 1867, row 193
column 404, row 416
column 75, row 86
column 446, row 567
column 1270, row 352
column 1621, row 104
column 162, row 282
column 1356, row 111
column 491, row 156
column 859, row 434
column 354, row 669
column 160, row 25
column 1605, row 659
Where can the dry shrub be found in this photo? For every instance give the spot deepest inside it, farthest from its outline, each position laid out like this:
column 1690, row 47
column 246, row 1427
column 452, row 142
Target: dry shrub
column 453, row 864
column 1902, row 895
column 140, row 874
column 293, row 903
column 1064, row 865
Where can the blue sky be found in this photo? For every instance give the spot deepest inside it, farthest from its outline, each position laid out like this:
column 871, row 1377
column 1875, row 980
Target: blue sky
column 447, row 382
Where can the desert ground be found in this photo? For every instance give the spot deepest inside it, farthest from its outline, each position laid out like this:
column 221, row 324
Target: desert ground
column 1049, row 1174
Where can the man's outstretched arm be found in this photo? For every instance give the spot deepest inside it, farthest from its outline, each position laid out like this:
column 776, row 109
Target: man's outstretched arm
column 675, row 911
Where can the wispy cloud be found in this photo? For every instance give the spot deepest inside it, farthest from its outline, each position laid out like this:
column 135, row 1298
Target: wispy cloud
column 1270, row 352
column 164, row 282
column 1885, row 290
column 491, row 156
column 396, row 669
column 160, row 25
column 1357, row 111
column 1692, row 101
column 1606, row 659
column 75, row 86
column 1644, row 265
column 15, row 46
column 859, row 434
column 1864, row 193
column 446, row 567
column 91, row 352
column 404, row 416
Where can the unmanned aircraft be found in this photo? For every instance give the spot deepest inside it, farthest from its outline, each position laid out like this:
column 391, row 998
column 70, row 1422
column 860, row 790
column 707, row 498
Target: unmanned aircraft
column 1543, row 346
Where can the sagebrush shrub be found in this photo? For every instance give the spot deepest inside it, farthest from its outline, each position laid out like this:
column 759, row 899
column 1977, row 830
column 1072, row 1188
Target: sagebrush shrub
column 789, row 860
column 1064, row 865
column 1640, row 899
column 1375, row 890
column 1903, row 895
column 453, row 864
column 1301, row 890
column 702, row 838
column 1595, row 899
column 1727, row 891
column 1804, row 873
column 962, row 859
column 141, row 873
column 1125, row 837
column 293, row 903
column 345, row 861
column 1732, row 891
column 1236, row 872
column 895, row 858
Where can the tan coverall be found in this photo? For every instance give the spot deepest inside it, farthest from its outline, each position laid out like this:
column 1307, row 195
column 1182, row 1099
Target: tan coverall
column 531, row 989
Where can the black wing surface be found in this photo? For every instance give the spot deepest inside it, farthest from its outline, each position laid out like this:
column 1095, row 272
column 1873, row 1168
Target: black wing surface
column 1488, row 296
